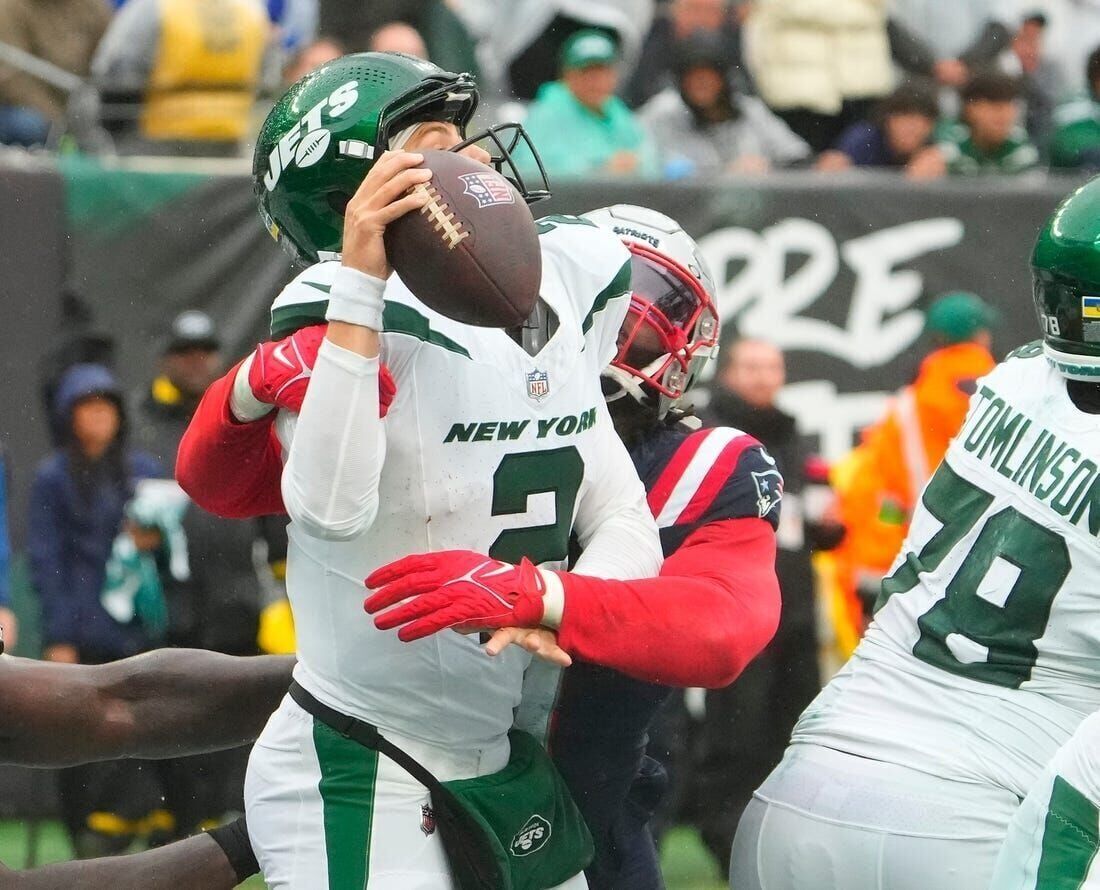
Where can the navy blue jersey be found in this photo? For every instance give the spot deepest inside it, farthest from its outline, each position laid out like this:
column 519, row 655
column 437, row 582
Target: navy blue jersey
column 598, row 740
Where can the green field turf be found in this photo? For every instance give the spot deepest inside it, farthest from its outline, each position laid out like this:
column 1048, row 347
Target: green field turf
column 687, row 865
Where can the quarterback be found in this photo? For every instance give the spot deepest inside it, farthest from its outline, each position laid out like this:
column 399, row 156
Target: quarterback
column 489, row 444
column 717, row 496
column 984, row 654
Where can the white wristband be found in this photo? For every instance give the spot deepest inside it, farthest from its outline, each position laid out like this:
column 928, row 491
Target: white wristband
column 553, row 601
column 356, row 298
column 242, row 403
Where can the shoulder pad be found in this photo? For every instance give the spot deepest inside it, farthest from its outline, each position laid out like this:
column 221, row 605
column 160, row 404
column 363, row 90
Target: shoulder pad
column 1028, row 350
column 303, row 301
column 715, row 474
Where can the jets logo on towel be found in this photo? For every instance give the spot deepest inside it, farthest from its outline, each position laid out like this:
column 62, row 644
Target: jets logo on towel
column 532, row 837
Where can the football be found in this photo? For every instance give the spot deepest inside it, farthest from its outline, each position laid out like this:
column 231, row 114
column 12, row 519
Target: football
column 472, row 253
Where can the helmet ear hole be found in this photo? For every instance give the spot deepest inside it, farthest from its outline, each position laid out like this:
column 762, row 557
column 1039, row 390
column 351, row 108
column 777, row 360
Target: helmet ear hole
column 338, row 201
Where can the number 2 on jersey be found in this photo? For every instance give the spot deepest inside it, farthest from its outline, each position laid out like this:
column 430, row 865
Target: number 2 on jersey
column 559, row 470
column 978, row 630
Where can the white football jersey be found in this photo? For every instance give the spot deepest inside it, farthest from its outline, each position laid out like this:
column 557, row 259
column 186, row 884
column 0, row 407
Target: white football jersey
column 488, row 449
column 984, row 654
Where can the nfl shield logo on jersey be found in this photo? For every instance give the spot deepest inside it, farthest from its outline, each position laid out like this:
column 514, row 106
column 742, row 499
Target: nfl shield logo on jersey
column 769, row 491
column 427, row 819
column 487, row 189
column 538, row 385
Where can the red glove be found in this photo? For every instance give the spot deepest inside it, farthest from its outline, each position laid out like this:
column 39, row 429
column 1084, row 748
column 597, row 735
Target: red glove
column 281, row 369
column 457, row 589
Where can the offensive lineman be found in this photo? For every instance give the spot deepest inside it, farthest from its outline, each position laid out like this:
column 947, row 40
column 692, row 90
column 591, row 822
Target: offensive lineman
column 323, row 810
column 714, row 607
column 984, row 655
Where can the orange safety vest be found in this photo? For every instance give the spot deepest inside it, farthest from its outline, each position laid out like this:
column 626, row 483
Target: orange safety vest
column 207, row 70
column 878, row 483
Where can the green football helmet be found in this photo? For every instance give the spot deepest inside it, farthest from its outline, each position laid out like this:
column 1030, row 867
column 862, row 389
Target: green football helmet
column 322, row 137
column 1065, row 268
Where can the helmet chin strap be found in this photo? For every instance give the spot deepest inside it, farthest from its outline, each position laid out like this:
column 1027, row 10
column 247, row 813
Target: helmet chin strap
column 633, row 386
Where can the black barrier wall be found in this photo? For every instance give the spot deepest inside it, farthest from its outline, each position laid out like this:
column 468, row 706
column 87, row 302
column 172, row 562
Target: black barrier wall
column 835, row 270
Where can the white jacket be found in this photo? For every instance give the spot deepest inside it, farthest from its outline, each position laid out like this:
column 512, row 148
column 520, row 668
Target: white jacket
column 816, row 53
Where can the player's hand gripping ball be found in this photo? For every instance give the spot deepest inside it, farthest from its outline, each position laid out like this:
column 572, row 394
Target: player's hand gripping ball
column 281, row 369
column 457, row 589
column 472, row 252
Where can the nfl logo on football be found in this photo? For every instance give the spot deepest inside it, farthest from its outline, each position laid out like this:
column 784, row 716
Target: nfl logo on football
column 487, row 189
column 538, row 385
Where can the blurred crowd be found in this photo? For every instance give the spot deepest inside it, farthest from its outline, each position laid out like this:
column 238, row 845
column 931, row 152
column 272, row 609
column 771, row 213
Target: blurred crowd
column 117, row 561
column 667, row 89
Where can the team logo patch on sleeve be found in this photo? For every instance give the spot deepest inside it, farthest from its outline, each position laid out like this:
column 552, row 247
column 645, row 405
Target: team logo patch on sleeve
column 488, row 189
column 769, row 490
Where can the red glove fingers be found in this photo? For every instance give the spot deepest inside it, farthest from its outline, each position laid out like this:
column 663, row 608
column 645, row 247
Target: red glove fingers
column 447, row 564
column 455, row 617
column 459, row 589
column 434, row 601
column 414, row 584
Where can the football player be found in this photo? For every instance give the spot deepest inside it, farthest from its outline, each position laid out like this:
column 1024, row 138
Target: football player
column 494, row 441
column 1054, row 837
column 161, row 704
column 715, row 494
column 983, row 655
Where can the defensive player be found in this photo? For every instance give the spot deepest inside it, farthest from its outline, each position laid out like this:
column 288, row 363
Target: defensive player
column 983, row 655
column 716, row 494
column 487, row 444
column 162, row 704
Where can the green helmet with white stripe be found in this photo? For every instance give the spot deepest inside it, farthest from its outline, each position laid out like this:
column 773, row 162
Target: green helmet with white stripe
column 1065, row 267
column 321, row 139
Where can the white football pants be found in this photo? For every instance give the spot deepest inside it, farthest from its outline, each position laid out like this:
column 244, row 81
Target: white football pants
column 824, row 820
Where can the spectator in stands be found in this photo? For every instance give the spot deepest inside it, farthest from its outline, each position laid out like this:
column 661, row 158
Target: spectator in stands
column 61, row 32
column 703, row 125
column 878, row 483
column 1040, row 77
column 949, row 40
column 295, row 23
column 822, row 66
column 678, row 21
column 747, row 725
column 1073, row 33
column 218, row 604
column 8, row 624
column 1076, row 141
column 520, row 41
column 899, row 130
column 313, row 56
column 580, row 126
column 988, row 138
column 77, row 505
column 190, row 362
column 353, row 22
column 398, row 37
column 190, row 71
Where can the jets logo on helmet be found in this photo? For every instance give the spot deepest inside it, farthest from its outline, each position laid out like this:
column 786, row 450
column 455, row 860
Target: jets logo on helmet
column 671, row 328
column 307, row 166
column 305, row 143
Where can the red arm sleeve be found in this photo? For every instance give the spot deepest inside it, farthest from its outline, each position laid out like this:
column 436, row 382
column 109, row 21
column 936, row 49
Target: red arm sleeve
column 229, row 468
column 713, row 608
